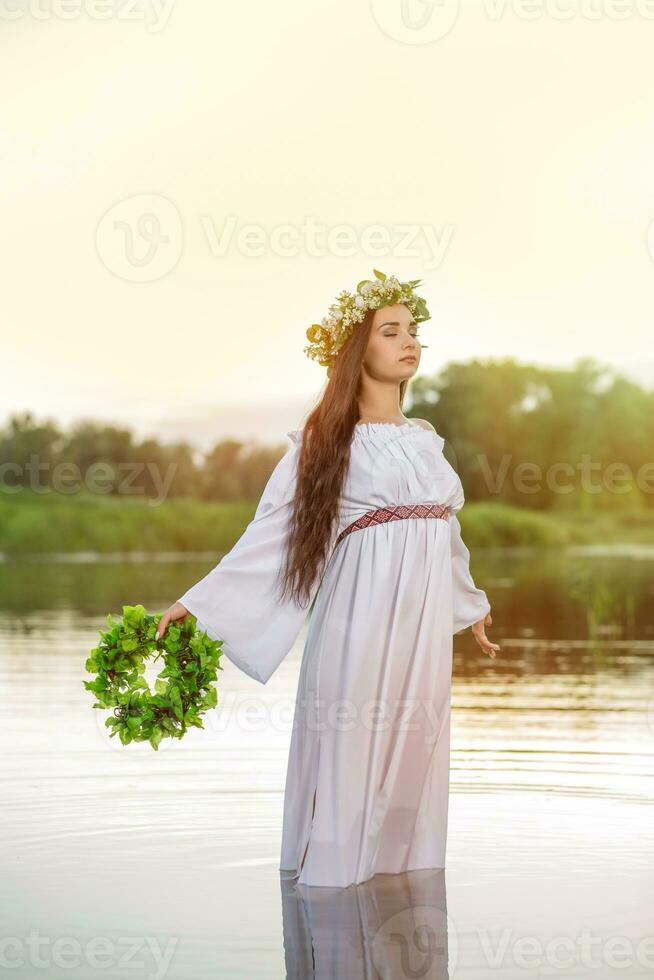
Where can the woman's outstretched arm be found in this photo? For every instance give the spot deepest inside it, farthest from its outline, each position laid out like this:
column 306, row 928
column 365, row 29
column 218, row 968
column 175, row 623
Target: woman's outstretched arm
column 238, row 601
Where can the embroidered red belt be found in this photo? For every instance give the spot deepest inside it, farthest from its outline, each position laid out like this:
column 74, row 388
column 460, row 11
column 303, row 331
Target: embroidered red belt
column 396, row 512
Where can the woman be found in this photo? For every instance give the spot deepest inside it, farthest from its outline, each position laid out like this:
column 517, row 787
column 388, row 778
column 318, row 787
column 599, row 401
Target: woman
column 358, row 518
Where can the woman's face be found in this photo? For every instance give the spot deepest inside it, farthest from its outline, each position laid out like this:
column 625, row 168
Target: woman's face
column 393, row 351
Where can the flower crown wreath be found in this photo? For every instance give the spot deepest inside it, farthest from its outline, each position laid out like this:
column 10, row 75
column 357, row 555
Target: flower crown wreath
column 327, row 337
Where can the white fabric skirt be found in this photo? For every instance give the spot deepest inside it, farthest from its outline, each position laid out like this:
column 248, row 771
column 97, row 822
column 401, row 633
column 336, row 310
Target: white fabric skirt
column 368, row 770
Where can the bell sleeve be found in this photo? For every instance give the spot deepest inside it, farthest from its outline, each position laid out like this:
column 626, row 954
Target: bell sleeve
column 237, row 601
column 470, row 604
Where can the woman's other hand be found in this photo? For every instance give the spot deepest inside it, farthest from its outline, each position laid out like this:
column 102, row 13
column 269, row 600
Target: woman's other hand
column 481, row 638
column 175, row 612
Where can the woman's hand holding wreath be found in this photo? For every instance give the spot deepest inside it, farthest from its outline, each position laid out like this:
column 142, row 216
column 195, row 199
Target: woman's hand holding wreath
column 183, row 689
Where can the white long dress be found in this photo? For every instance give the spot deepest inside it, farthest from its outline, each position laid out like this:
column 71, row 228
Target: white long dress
column 367, row 781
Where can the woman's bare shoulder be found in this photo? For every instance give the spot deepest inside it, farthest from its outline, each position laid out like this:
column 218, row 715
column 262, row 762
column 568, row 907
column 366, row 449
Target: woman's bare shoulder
column 424, row 424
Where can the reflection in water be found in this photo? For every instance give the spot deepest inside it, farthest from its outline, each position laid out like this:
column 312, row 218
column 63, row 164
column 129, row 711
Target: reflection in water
column 391, row 927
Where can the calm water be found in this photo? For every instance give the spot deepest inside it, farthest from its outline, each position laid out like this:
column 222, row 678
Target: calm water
column 119, row 861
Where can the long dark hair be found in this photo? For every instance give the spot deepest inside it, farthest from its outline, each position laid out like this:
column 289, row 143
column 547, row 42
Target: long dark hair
column 322, row 467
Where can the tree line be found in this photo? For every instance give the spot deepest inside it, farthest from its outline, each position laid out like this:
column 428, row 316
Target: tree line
column 522, row 434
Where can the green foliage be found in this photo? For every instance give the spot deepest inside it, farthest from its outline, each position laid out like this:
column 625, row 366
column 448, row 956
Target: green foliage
column 32, row 523
column 600, row 598
column 131, row 470
column 183, row 689
column 517, row 435
column 521, row 434
column 496, row 524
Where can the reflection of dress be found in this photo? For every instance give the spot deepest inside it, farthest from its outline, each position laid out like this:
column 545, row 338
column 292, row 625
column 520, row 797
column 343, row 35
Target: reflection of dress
column 368, row 770
column 391, row 926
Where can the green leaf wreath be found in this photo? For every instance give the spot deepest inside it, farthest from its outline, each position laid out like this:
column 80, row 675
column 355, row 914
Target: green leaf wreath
column 183, row 689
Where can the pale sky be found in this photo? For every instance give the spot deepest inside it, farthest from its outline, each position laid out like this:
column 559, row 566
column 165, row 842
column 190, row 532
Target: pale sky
column 506, row 159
